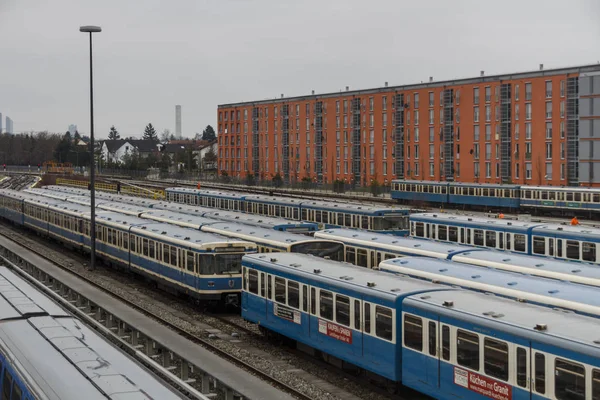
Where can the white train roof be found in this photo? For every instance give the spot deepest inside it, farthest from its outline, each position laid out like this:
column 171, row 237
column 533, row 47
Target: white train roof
column 256, row 233
column 515, row 317
column 474, row 220
column 341, row 274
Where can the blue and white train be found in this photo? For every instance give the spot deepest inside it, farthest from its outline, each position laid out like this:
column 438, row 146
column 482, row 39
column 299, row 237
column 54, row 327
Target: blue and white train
column 567, row 242
column 202, row 265
column 443, row 342
column 46, row 353
column 383, row 219
column 555, row 200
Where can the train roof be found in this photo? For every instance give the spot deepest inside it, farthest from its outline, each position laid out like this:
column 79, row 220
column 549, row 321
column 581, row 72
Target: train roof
column 19, row 299
column 273, row 199
column 67, row 189
column 172, row 217
column 485, row 185
column 341, row 274
column 258, row 220
column 420, row 182
column 354, row 208
column 535, row 289
column 182, row 208
column 394, row 243
column 203, row 192
column 473, row 220
column 539, row 266
column 130, row 209
column 256, row 233
column 568, row 231
column 515, row 317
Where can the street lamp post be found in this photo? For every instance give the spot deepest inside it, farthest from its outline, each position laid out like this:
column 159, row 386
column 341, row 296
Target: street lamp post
column 92, row 29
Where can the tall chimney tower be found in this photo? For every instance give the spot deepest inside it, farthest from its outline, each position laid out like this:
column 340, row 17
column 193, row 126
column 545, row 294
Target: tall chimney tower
column 178, row 121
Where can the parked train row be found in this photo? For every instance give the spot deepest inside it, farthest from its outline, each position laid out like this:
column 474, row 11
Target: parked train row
column 443, row 341
column 325, row 213
column 549, row 199
column 46, row 353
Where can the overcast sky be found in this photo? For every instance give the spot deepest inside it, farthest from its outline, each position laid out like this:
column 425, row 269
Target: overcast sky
column 155, row 54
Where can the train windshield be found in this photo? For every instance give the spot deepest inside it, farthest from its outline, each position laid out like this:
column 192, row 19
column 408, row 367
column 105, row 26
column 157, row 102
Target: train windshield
column 390, row 223
column 333, row 250
column 221, row 264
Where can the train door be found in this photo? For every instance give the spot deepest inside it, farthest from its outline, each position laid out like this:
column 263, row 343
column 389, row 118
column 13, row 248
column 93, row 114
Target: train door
column 372, row 254
column 521, row 365
column 432, row 366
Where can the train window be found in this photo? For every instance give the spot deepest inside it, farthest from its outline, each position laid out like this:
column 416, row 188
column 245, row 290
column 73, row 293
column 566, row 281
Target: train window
column 442, row 232
column 484, row 192
column 145, row 247
column 596, row 197
column 16, row 392
column 540, row 373
column 364, row 222
column 269, row 287
column 501, row 240
column 304, row 298
column 544, row 195
column 569, row 380
column 519, row 242
column 190, row 261
column 446, row 342
column 432, row 333
column 350, row 255
column 362, row 258
column 325, row 217
column 521, row 367
column 577, row 196
column 569, row 196
column 304, row 215
column 595, row 383
column 539, row 245
column 468, row 237
column 280, row 290
column 419, row 229
column 173, row 256
column 490, row 238
column 357, row 314
column 588, row 251
column 313, row 301
column 296, row 213
column 339, row 218
column 383, row 323
column 166, row 253
column 367, row 308
column 342, row 310
column 6, row 384
column 132, row 243
column 467, row 349
column 453, row 233
column 244, row 278
column 326, row 304
column 387, row 256
column 573, row 249
column 109, row 236
column 151, row 248
column 253, row 281
column 318, row 215
column 262, row 284
column 507, row 193
column 478, row 237
column 495, row 358
column 347, row 220
column 125, row 240
column 293, row 294
column 413, row 332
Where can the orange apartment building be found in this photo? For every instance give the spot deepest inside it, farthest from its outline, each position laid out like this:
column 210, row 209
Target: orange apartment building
column 532, row 128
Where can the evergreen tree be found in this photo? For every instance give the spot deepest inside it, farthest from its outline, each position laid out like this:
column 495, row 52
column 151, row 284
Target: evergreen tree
column 61, row 152
column 209, row 133
column 150, row 133
column 113, row 134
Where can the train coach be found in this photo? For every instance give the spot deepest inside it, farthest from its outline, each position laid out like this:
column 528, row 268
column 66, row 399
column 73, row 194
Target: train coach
column 444, row 342
column 41, row 347
column 326, row 214
column 202, row 265
column 573, row 243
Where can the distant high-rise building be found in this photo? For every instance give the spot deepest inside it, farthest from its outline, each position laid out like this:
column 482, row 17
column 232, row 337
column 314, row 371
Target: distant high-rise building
column 178, row 121
column 72, row 129
column 9, row 125
column 0, row 122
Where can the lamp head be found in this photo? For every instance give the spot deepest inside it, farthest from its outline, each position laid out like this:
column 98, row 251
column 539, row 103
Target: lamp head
column 90, row 29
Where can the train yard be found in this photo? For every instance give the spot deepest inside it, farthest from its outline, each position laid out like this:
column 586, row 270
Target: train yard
column 382, row 323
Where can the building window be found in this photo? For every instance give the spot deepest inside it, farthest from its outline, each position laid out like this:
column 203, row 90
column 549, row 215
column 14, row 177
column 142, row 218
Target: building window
column 416, row 151
column 548, row 130
column 548, row 89
column 517, row 131
column 384, row 169
column 548, row 171
column 528, row 130
column 528, row 94
column 562, row 151
column 497, row 170
column 562, row 109
column 562, row 172
column 385, row 117
column 476, row 151
column 345, row 106
column 517, row 90
column 517, row 171
column 476, row 169
column 416, row 133
column 431, row 116
column 528, row 170
column 431, row 169
column 497, row 150
column 476, row 114
column 431, row 134
column 562, row 88
column 371, row 103
column 488, row 113
column 371, row 120
column 431, row 99
column 548, row 150
column 416, row 103
column 476, row 95
column 516, row 112
column 562, row 129
column 488, row 169
column 488, row 151
column 548, row 109
column 384, row 152
column 488, row 133
column 431, row 151
column 475, row 132
column 488, row 94
column 416, row 112
column 416, row 169
column 384, row 103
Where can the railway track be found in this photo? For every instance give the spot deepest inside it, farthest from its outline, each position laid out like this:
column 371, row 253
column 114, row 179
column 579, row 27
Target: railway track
column 246, row 335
